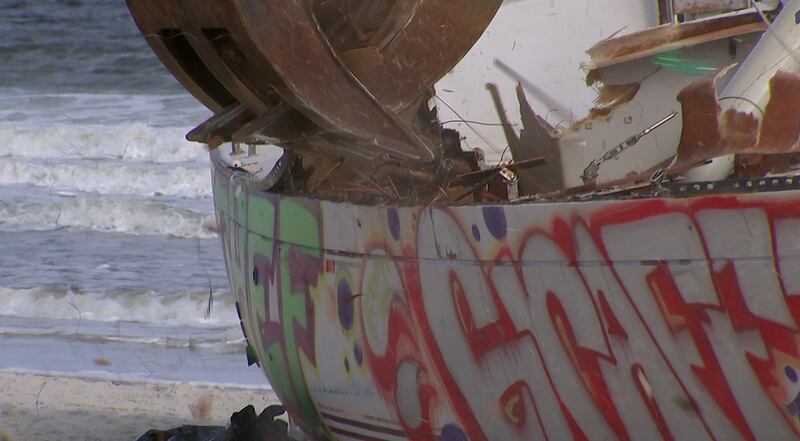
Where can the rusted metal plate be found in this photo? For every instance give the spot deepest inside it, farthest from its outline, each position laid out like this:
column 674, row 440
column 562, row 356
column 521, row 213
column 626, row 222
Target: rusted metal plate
column 157, row 21
column 695, row 6
column 283, row 125
column 758, row 111
column 208, row 23
column 351, row 67
column 290, row 39
column 221, row 126
column 429, row 40
column 207, row 33
column 708, row 132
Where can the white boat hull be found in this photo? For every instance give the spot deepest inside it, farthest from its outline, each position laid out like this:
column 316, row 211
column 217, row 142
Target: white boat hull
column 640, row 319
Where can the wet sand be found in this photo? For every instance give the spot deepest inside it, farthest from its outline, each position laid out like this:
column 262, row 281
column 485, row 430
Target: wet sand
column 48, row 408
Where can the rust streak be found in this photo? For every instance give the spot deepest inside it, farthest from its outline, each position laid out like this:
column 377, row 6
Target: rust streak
column 707, row 133
column 740, row 130
column 781, row 127
column 701, row 131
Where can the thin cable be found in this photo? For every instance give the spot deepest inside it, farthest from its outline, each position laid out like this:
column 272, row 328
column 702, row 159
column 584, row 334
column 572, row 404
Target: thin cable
column 488, row 143
column 753, row 103
column 478, row 123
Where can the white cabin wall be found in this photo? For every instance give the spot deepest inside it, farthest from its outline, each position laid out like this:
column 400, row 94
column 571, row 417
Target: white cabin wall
column 544, row 41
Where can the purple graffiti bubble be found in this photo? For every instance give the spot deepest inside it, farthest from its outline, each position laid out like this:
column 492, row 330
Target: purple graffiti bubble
column 791, row 374
column 451, row 432
column 344, row 299
column 394, row 222
column 495, row 219
column 476, row 233
column 358, row 354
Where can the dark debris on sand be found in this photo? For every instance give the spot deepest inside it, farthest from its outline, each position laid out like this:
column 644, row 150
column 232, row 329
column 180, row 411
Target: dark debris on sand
column 246, row 425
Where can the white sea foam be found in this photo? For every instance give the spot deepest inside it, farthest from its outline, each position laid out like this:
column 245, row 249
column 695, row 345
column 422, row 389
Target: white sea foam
column 225, row 342
column 107, row 213
column 108, row 177
column 126, row 141
column 101, row 375
column 143, row 307
column 26, row 109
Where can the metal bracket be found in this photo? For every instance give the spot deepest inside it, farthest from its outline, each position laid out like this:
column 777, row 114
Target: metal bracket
column 592, row 170
column 512, row 183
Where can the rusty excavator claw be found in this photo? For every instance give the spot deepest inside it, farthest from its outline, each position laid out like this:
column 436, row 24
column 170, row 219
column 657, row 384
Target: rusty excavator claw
column 337, row 78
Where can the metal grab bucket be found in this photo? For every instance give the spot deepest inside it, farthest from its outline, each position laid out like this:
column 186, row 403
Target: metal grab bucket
column 345, row 68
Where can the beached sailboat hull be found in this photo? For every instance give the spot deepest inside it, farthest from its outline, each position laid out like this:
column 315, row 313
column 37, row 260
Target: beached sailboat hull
column 641, row 319
column 394, row 282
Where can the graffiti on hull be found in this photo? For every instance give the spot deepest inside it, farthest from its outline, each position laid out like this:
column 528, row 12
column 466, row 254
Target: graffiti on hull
column 648, row 319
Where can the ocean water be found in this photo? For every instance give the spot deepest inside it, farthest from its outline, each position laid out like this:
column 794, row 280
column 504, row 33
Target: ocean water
column 109, row 258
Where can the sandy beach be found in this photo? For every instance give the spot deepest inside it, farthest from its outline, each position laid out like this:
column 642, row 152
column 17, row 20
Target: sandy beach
column 54, row 408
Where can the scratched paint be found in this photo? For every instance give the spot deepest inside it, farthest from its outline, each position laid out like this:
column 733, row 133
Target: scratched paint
column 648, row 319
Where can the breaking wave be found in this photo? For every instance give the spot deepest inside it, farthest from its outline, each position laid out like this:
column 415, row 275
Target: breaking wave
column 133, row 141
column 108, row 214
column 109, row 177
column 188, row 309
column 226, row 343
